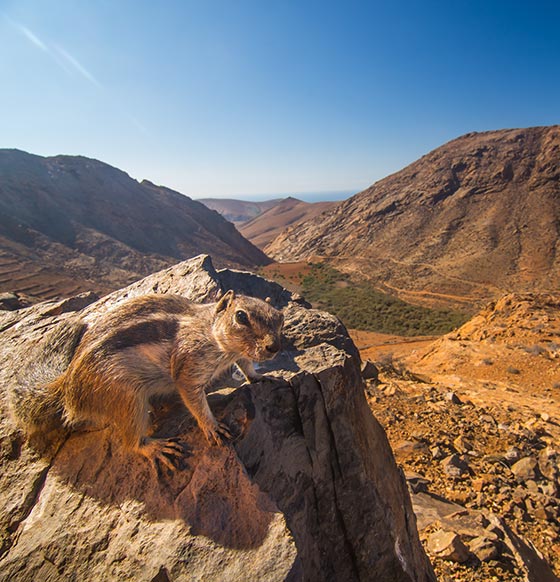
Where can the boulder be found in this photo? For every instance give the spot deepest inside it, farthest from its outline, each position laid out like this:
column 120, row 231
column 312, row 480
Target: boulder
column 525, row 469
column 448, row 546
column 484, row 548
column 10, row 301
column 370, row 371
column 455, row 467
column 549, row 463
column 308, row 489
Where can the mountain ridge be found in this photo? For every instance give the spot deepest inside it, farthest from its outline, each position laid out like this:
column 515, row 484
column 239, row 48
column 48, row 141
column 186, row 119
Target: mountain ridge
column 72, row 223
column 474, row 218
column 265, row 227
column 238, row 211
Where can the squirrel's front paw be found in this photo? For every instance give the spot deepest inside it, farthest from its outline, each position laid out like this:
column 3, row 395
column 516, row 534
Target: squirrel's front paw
column 255, row 377
column 216, row 434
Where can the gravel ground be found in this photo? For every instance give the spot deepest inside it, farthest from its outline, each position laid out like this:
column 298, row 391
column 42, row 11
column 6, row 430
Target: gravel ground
column 491, row 461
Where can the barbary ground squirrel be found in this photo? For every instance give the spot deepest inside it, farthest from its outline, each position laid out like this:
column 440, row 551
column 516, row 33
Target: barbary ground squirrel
column 148, row 346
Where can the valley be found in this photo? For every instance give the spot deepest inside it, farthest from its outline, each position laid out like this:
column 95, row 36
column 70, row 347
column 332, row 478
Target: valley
column 359, row 304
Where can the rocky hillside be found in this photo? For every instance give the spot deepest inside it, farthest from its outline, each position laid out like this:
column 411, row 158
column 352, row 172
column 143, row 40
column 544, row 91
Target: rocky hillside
column 308, row 490
column 507, row 354
column 265, row 227
column 238, row 211
column 484, row 481
column 470, row 220
column 474, row 420
column 70, row 224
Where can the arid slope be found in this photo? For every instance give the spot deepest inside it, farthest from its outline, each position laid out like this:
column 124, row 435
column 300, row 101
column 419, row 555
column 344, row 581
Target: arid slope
column 265, row 227
column 70, row 224
column 472, row 219
column 508, row 353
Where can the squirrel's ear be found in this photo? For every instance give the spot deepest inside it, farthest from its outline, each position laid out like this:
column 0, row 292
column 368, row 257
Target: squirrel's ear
column 225, row 301
column 268, row 300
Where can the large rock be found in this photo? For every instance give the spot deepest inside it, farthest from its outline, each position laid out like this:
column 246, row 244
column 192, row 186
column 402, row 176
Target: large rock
column 487, row 536
column 448, row 545
column 309, row 490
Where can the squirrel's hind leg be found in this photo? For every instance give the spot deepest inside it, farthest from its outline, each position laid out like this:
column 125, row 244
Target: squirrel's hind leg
column 161, row 452
column 165, row 452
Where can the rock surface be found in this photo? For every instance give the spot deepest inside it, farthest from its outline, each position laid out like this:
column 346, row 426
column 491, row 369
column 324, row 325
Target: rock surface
column 309, row 490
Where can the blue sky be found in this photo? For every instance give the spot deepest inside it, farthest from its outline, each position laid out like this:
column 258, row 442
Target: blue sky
column 229, row 98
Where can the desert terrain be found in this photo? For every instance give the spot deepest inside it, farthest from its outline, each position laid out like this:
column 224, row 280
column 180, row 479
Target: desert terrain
column 445, row 279
column 473, row 418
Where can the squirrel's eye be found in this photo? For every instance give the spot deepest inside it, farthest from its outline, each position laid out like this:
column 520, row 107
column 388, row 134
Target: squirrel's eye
column 241, row 317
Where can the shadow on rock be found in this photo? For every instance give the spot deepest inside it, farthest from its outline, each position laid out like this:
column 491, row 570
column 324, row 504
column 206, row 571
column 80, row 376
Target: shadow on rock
column 210, row 490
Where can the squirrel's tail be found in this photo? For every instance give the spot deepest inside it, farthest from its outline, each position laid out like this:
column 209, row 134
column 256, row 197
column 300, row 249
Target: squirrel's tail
column 37, row 397
column 37, row 407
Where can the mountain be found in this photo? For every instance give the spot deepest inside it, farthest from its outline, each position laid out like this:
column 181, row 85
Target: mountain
column 265, row 227
column 469, row 221
column 238, row 211
column 70, row 224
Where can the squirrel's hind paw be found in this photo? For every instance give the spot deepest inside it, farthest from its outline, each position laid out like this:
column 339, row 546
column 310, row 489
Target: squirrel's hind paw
column 164, row 453
column 223, row 431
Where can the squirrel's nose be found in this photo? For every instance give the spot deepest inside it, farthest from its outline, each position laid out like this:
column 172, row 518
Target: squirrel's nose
column 272, row 348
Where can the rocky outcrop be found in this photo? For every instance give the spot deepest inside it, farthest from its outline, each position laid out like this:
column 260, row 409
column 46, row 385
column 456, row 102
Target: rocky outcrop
column 470, row 220
column 308, row 490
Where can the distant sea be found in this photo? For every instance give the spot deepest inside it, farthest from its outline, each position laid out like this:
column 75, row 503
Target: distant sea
column 323, row 196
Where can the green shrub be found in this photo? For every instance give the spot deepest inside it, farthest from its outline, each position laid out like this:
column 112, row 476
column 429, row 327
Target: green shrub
column 360, row 306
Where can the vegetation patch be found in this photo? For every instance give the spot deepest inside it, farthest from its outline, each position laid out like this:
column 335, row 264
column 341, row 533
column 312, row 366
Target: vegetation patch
column 360, row 306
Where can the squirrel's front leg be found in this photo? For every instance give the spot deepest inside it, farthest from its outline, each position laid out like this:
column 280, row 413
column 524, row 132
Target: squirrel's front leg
column 194, row 398
column 248, row 370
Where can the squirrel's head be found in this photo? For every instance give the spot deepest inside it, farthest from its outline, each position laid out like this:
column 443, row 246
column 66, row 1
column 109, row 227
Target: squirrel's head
column 247, row 326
